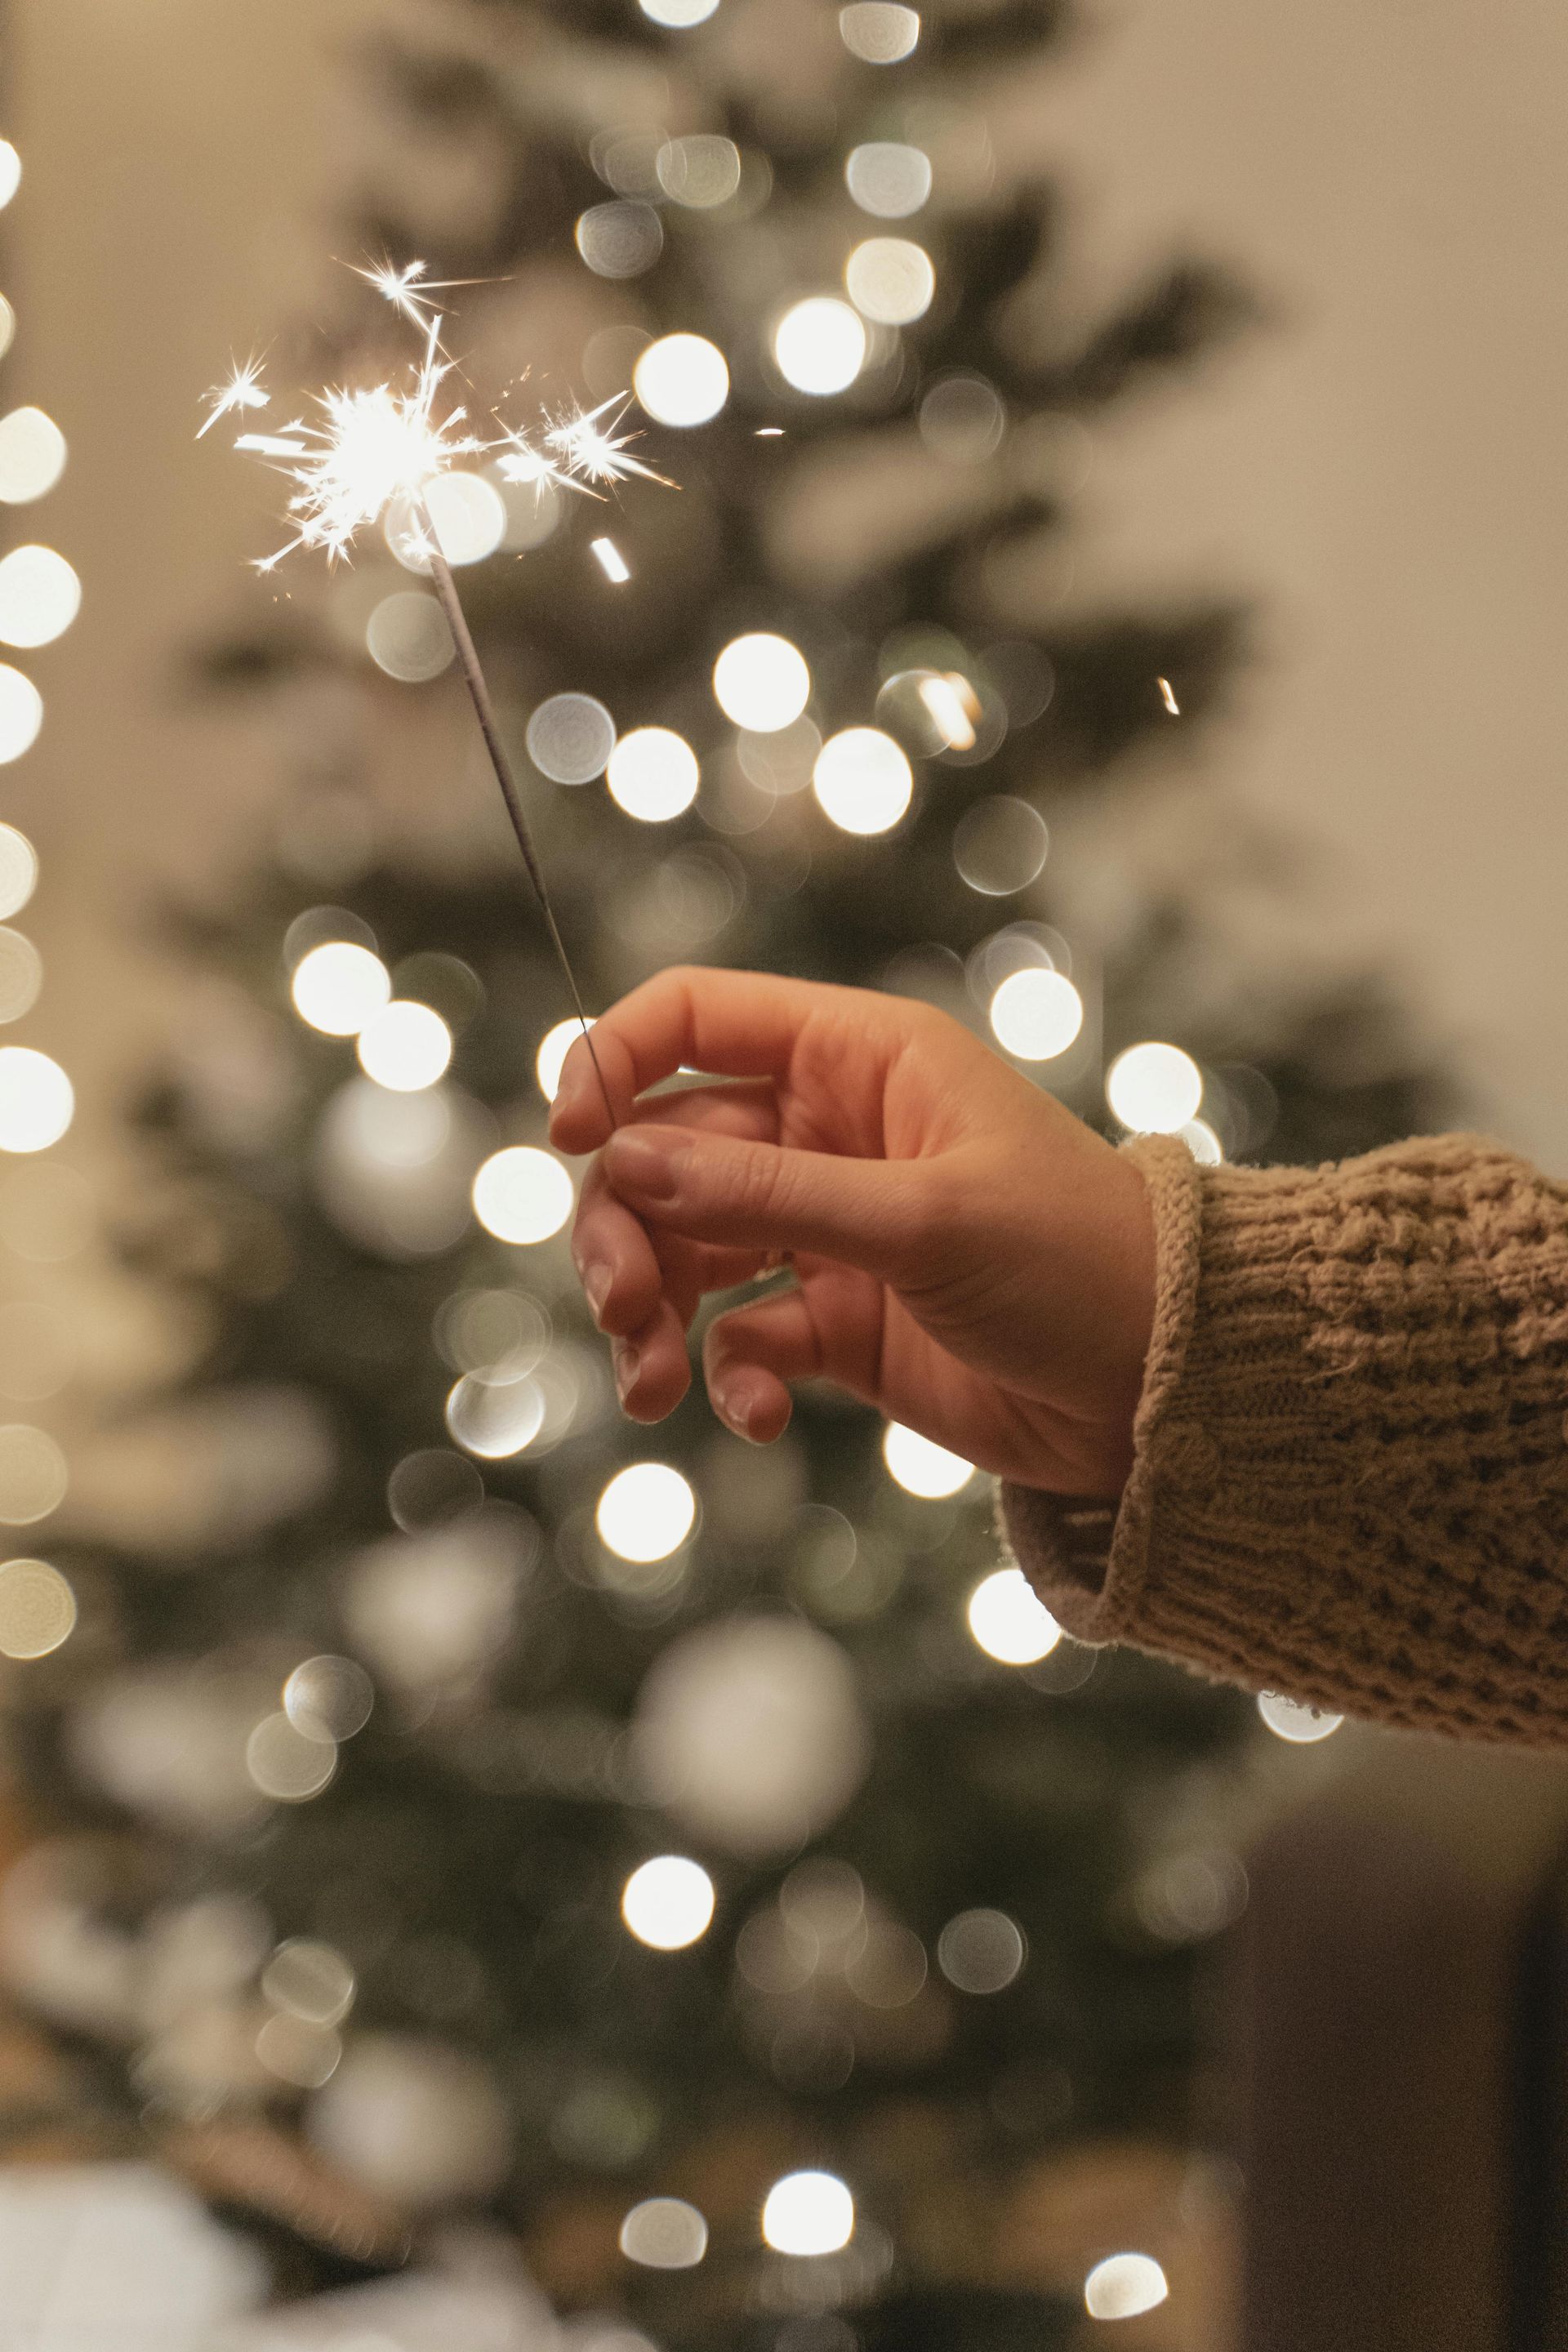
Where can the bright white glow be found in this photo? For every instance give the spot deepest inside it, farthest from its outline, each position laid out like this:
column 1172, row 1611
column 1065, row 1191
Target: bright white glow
column 10, row 172
column 1009, row 1622
column 554, row 1048
column 407, row 637
column 1202, row 1143
column 863, row 780
column 920, row 1467
column 664, row 2234
column 18, row 870
column 653, row 775
column 522, row 1195
column 646, row 1512
column 700, row 171
column 21, row 713
column 495, row 1418
column 953, row 707
column 339, row 987
column 879, row 32
column 679, row 14
column 405, row 1046
column 887, row 179
column 37, row 1104
column 681, row 379
column 469, row 515
column 41, row 596
column 612, row 562
column 668, row 1903
column 1154, row 1089
column 7, row 326
column 570, row 738
column 891, row 280
column 1035, row 1013
column 820, row 345
column 761, row 682
column 1292, row 1719
column 32, row 456
column 808, row 2213
column 1123, row 2287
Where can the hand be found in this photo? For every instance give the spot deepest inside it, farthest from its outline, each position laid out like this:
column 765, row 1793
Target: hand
column 969, row 1256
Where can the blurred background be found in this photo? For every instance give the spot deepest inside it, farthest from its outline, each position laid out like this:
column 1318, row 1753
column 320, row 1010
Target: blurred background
column 1123, row 447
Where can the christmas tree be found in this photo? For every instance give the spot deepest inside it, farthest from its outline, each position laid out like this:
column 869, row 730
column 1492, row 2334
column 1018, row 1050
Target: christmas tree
column 622, row 1828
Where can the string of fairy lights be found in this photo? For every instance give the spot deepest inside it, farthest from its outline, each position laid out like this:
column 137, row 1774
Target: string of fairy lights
column 39, row 597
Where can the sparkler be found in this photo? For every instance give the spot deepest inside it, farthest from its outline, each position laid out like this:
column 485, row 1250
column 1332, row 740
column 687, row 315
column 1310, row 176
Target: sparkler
column 370, row 455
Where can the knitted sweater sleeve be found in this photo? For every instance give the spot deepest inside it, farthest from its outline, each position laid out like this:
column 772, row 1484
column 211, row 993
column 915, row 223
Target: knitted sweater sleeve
column 1351, row 1470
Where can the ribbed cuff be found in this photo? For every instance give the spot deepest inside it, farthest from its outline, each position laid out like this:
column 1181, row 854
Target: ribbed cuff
column 1089, row 1561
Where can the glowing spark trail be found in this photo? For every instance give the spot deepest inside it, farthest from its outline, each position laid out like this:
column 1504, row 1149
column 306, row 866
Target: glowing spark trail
column 377, row 450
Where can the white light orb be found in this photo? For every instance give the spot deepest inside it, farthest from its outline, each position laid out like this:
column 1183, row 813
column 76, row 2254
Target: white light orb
column 700, row 172
column 522, row 1195
column 761, row 682
column 808, row 2213
column 1009, row 1621
column 469, row 515
column 10, row 172
column 981, row 1951
column 21, row 713
column 681, row 379
column 891, row 280
column 1202, row 1143
column 34, row 1475
column 920, row 1467
column 406, row 1046
column 1294, row 1720
column 679, row 14
column 339, row 987
column 879, row 32
column 18, row 870
column 663, row 2233
column 888, row 178
column 7, row 326
column 37, row 1609
column 863, row 781
column 32, row 456
column 41, row 596
column 1037, row 1014
column 1124, row 2286
column 21, row 974
column 646, row 1512
column 653, row 775
column 820, row 345
column 571, row 738
column 36, row 1102
column 1154, row 1089
column 287, row 1764
column 495, row 1418
column 620, row 239
column 668, row 1903
column 554, row 1048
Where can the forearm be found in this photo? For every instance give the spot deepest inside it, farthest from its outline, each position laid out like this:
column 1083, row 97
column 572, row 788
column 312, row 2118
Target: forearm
column 1350, row 1474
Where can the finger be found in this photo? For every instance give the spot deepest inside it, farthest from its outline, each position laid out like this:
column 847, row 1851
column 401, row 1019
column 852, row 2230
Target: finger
column 624, row 1267
column 749, row 1357
column 879, row 1215
column 652, row 1367
column 734, row 1023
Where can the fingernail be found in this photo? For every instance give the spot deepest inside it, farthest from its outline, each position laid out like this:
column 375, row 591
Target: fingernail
column 597, row 1281
column 645, row 1165
column 736, row 1406
column 626, row 1360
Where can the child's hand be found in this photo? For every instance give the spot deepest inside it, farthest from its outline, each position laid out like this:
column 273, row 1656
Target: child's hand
column 969, row 1257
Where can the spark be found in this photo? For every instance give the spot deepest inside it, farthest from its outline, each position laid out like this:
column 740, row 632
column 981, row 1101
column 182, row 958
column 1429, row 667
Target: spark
column 596, row 452
column 1167, row 695
column 769, row 433
column 242, row 391
column 408, row 290
column 612, row 560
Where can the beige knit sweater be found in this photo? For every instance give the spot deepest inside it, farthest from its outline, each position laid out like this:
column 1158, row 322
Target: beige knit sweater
column 1351, row 1472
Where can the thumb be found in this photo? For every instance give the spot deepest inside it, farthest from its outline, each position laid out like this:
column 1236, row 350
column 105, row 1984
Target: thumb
column 871, row 1213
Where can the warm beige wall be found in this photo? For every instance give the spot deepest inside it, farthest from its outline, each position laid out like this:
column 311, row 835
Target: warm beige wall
column 1388, row 470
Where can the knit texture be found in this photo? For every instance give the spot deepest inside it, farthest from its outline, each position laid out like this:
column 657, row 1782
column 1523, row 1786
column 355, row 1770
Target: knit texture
column 1350, row 1481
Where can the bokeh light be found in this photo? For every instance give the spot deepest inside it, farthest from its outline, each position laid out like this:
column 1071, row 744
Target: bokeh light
column 339, row 987
column 1124, row 2286
column 32, row 456
column 405, row 1046
column 1154, row 1089
column 571, row 738
column 681, row 379
column 820, row 345
column 32, row 1474
column 328, row 1697
column 1295, row 1719
column 889, row 179
column 679, row 14
column 1202, row 1143
column 21, row 974
column 21, row 713
column 36, row 1102
column 982, row 1951
column 1000, row 846
column 921, row 1467
column 962, row 419
column 620, row 239
column 1009, row 1621
column 522, row 1195
column 18, row 870
column 653, row 775
column 808, row 2213
column 761, row 682
column 468, row 513
column 286, row 1764
column 312, row 1981
column 863, row 781
column 668, row 1904
column 554, row 1048
column 663, row 2233
column 891, row 280
column 41, row 596
column 495, row 1418
column 1037, row 1014
column 700, row 172
column 37, row 1609
column 11, row 169
column 646, row 1512
column 7, row 326
column 407, row 637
